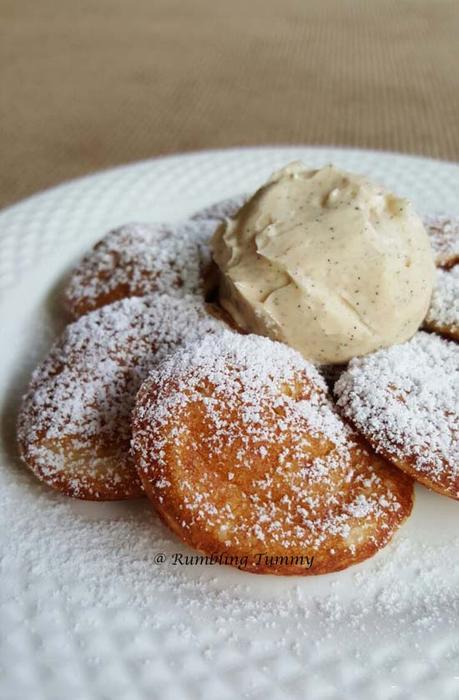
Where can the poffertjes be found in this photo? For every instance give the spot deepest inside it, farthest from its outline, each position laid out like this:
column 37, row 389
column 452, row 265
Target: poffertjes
column 139, row 259
column 75, row 422
column 443, row 314
column 443, row 232
column 405, row 401
column 244, row 456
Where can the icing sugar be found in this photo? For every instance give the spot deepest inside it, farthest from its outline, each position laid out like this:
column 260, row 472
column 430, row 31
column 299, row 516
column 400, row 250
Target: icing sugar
column 298, row 475
column 405, row 400
column 85, row 389
column 79, row 565
column 138, row 259
column 443, row 232
column 443, row 313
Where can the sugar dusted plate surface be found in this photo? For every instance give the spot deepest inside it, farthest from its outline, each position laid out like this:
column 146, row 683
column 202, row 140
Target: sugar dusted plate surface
column 87, row 609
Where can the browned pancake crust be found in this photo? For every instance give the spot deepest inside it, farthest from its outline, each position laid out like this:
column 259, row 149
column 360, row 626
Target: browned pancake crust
column 74, row 426
column 137, row 260
column 443, row 233
column 404, row 401
column 443, row 314
column 243, row 455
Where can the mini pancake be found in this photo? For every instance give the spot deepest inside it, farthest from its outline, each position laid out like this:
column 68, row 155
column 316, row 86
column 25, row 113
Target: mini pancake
column 74, row 426
column 245, row 458
column 404, row 400
column 443, row 232
column 140, row 259
column 212, row 216
column 443, row 314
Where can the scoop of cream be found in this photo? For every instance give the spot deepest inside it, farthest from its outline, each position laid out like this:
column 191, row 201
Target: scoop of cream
column 327, row 262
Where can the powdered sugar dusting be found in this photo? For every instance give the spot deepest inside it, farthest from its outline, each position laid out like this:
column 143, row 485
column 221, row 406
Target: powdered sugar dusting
column 138, row 259
column 298, row 477
column 443, row 232
column 443, row 314
column 405, row 400
column 129, row 625
column 81, row 396
column 93, row 555
column 89, row 570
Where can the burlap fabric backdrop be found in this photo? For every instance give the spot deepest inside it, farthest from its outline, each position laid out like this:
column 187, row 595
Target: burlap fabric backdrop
column 87, row 84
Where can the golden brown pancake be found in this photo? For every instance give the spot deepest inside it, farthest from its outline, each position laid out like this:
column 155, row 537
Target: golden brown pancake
column 139, row 259
column 404, row 400
column 243, row 454
column 443, row 232
column 443, row 314
column 75, row 422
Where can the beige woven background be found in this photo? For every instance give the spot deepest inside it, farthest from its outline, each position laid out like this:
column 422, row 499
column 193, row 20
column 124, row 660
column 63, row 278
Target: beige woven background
column 87, row 84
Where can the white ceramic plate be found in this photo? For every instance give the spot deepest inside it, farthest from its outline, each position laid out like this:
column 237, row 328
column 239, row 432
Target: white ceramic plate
column 88, row 612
